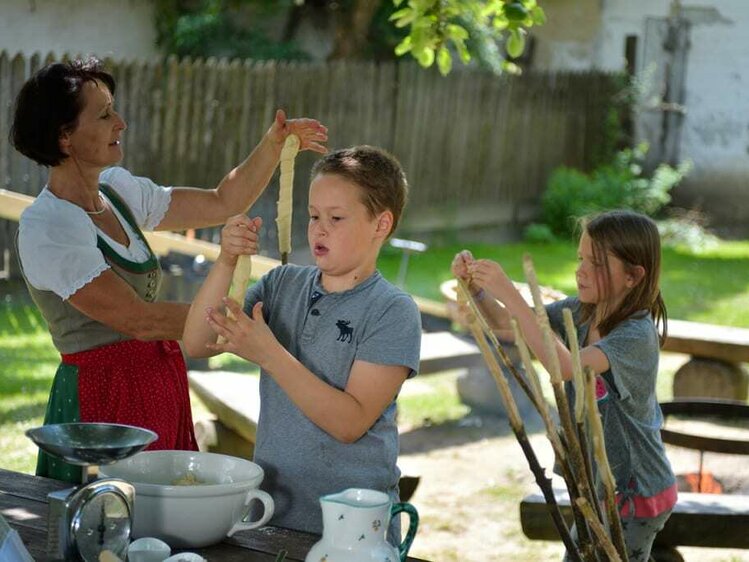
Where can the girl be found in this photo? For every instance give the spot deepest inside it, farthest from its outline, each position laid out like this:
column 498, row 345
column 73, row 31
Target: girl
column 616, row 311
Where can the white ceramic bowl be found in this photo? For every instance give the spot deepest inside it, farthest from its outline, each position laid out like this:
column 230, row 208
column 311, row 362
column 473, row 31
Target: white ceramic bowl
column 194, row 515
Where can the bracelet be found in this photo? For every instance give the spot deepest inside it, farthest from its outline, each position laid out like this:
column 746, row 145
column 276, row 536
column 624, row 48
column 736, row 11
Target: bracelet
column 480, row 295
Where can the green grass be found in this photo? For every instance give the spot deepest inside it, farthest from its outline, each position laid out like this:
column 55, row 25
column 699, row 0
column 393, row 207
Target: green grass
column 27, row 365
column 711, row 286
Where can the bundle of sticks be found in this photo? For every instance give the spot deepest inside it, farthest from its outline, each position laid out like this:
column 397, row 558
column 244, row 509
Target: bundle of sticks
column 577, row 440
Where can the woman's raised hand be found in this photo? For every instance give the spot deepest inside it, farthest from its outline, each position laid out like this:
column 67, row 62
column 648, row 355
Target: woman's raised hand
column 239, row 237
column 311, row 132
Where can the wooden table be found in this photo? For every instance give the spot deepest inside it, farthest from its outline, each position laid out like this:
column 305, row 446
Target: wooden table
column 23, row 503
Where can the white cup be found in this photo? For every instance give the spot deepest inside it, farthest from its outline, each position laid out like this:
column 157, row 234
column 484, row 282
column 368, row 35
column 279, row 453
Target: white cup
column 186, row 557
column 148, row 549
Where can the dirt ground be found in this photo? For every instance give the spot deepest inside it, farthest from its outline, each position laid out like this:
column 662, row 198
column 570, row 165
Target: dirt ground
column 474, row 474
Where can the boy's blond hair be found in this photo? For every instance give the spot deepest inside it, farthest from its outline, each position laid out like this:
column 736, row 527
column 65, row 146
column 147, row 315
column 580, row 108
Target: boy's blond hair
column 378, row 174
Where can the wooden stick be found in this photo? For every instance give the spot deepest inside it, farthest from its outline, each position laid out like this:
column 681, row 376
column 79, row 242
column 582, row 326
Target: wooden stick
column 600, row 532
column 239, row 282
column 602, row 462
column 516, row 423
column 551, row 428
column 509, row 365
column 558, row 443
column 578, row 381
column 565, row 416
column 285, row 196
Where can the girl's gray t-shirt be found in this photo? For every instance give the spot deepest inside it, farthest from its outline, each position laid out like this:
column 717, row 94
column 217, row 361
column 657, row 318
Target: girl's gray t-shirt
column 629, row 409
column 374, row 322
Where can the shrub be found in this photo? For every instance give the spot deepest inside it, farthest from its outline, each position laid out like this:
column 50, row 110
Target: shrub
column 572, row 194
column 539, row 233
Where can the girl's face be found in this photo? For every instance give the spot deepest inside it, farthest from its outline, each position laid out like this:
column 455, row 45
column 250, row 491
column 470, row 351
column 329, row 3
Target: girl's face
column 593, row 285
column 343, row 236
column 95, row 142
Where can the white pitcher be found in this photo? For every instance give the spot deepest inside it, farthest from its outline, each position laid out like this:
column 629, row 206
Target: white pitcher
column 355, row 523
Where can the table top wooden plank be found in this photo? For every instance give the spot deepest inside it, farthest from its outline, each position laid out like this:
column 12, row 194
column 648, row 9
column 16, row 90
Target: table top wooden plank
column 727, row 343
column 23, row 503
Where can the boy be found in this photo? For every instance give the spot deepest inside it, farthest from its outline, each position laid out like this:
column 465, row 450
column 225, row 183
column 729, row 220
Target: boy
column 334, row 341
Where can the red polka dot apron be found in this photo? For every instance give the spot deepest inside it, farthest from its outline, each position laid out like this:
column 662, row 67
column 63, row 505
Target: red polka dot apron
column 132, row 382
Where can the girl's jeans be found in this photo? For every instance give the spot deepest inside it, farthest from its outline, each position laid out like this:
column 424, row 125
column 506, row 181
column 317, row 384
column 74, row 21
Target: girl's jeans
column 639, row 534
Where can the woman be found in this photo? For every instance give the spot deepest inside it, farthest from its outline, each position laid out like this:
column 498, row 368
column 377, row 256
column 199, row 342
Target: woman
column 88, row 267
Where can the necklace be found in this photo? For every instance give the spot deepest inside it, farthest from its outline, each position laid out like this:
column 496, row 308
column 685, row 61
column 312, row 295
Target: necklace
column 100, row 211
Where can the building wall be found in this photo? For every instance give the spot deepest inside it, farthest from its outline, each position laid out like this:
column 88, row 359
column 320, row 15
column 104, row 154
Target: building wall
column 715, row 133
column 105, row 28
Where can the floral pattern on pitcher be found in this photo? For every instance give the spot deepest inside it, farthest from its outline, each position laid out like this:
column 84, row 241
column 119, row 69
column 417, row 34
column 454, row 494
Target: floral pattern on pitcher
column 355, row 522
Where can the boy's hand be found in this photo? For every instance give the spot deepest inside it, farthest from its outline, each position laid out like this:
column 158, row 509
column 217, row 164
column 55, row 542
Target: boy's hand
column 239, row 237
column 311, row 132
column 249, row 338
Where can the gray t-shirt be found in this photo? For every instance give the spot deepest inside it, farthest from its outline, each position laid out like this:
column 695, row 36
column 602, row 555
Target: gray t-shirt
column 629, row 409
column 374, row 322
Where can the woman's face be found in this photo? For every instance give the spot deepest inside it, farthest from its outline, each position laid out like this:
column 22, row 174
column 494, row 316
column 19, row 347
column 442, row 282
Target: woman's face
column 95, row 142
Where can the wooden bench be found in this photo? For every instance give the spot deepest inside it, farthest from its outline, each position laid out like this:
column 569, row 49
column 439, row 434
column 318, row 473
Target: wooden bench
column 706, row 520
column 714, row 370
column 234, row 399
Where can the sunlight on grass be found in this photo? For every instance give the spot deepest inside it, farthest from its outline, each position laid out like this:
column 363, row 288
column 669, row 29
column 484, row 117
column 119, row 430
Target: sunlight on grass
column 27, row 364
column 709, row 286
column 435, row 401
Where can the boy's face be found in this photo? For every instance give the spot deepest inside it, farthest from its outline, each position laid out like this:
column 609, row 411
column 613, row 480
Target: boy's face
column 343, row 237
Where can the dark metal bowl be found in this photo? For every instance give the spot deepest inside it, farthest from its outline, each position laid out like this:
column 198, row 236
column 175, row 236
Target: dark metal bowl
column 91, row 443
column 696, row 408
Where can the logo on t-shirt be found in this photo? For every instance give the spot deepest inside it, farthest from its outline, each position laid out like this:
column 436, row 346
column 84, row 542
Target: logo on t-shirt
column 345, row 331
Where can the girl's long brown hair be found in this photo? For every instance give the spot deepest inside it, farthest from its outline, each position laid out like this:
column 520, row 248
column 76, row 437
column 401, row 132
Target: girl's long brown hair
column 634, row 239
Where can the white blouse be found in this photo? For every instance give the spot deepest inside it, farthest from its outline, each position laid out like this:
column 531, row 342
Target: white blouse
column 57, row 239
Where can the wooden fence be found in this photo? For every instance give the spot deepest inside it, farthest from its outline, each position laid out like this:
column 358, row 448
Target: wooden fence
column 476, row 148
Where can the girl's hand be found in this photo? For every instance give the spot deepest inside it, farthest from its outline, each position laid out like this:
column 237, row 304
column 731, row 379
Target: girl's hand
column 239, row 237
column 311, row 132
column 249, row 338
column 490, row 276
column 460, row 264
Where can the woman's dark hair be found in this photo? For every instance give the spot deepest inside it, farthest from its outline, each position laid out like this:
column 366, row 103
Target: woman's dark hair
column 49, row 104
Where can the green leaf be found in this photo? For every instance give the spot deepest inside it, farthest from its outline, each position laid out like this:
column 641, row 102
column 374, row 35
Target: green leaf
column 511, row 68
column 425, row 56
column 463, row 51
column 515, row 11
column 403, row 47
column 403, row 17
column 515, row 43
column 500, row 22
column 456, row 32
column 444, row 61
column 538, row 15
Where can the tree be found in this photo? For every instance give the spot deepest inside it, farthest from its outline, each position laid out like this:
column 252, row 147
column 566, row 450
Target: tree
column 437, row 28
column 429, row 30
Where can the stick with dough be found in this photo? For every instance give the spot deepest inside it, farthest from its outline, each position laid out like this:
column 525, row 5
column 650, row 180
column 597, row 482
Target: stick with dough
column 285, row 193
column 243, row 271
